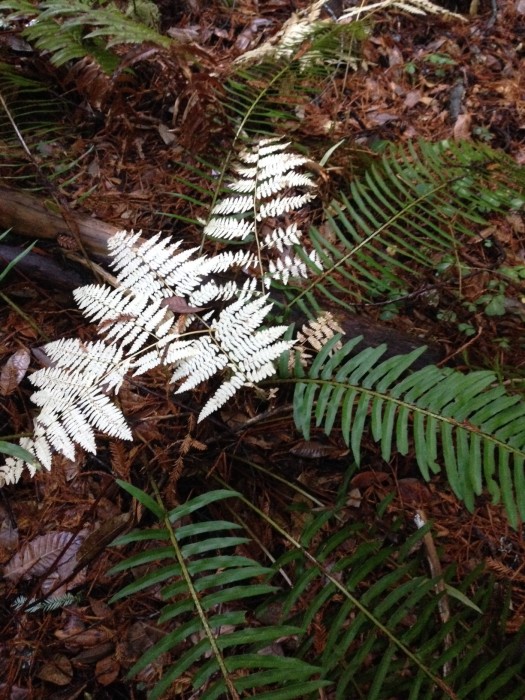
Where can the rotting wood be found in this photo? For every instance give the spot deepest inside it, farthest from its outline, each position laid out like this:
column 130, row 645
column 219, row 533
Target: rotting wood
column 30, row 216
column 42, row 268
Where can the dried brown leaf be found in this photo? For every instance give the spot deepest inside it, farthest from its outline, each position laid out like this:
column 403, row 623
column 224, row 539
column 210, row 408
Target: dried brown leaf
column 14, row 371
column 55, row 552
column 107, row 670
column 57, row 671
column 309, row 449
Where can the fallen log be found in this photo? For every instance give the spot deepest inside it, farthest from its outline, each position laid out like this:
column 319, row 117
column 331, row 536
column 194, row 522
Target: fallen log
column 42, row 268
column 33, row 217
column 28, row 215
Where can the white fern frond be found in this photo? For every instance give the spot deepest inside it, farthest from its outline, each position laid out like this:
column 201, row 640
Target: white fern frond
column 174, row 352
column 226, row 260
column 136, row 331
column 284, row 268
column 154, row 267
column 99, row 302
column 277, row 183
column 206, row 361
column 317, row 332
column 413, row 6
column 269, row 166
column 221, row 396
column 281, row 237
column 229, row 228
column 85, row 362
column 72, row 395
column 164, row 312
column 233, row 205
column 283, row 205
column 237, row 342
column 13, row 467
column 211, row 291
column 297, row 29
column 263, row 148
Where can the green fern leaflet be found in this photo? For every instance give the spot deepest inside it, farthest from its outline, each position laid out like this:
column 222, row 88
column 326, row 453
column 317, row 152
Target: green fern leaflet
column 466, row 421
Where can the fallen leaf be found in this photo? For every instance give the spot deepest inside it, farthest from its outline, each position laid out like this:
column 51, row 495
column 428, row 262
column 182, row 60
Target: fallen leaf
column 369, row 478
column 54, row 553
column 310, row 449
column 14, row 371
column 107, row 670
column 462, row 127
column 180, row 306
column 57, row 671
column 413, row 491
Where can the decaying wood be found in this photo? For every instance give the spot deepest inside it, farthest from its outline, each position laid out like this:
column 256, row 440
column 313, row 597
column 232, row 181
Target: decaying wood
column 41, row 268
column 31, row 216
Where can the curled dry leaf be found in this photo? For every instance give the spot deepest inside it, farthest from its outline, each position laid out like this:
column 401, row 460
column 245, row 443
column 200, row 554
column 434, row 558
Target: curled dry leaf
column 310, row 449
column 14, row 371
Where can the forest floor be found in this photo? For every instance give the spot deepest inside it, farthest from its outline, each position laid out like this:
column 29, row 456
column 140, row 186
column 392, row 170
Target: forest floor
column 426, row 77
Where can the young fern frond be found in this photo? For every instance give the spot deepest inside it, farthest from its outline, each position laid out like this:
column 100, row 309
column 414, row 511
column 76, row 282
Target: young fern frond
column 468, row 423
column 205, row 587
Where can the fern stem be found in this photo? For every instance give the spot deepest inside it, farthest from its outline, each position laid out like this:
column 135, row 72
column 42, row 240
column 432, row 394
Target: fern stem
column 193, row 593
column 355, row 601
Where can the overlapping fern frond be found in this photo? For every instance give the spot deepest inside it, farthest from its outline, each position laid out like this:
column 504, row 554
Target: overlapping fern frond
column 466, row 422
column 365, row 617
column 205, row 587
column 380, row 629
column 409, row 212
column 29, row 112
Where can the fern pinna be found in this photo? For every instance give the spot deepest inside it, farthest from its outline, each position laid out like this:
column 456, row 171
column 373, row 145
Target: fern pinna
column 165, row 312
column 204, row 586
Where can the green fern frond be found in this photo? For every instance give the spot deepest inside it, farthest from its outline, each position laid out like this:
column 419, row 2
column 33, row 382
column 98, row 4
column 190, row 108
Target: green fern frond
column 30, row 110
column 205, row 587
column 387, row 581
column 405, row 214
column 467, row 422
column 71, row 29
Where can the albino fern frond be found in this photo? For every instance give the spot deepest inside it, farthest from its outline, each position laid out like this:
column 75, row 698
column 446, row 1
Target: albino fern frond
column 164, row 312
column 229, row 228
column 285, row 267
column 283, row 205
column 272, row 165
column 281, row 237
column 295, row 31
column 419, row 7
column 237, row 344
